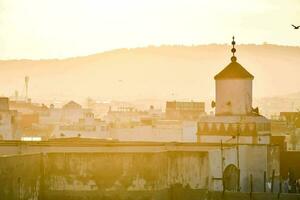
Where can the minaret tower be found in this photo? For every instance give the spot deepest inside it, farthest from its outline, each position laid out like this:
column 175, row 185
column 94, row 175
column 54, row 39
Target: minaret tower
column 234, row 88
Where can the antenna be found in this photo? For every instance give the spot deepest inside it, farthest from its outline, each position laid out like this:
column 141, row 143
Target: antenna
column 26, row 86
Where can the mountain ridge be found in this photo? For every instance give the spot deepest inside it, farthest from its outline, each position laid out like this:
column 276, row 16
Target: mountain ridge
column 143, row 47
column 168, row 71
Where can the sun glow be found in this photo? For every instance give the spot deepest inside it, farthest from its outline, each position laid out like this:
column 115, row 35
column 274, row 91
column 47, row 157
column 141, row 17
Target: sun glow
column 54, row 29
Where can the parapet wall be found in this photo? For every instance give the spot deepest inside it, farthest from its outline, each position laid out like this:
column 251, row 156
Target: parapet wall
column 20, row 176
column 111, row 176
column 33, row 176
column 125, row 171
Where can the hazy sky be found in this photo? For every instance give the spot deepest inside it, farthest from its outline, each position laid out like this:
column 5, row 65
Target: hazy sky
column 63, row 28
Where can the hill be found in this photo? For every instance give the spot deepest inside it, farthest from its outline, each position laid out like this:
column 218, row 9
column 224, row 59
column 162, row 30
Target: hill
column 165, row 72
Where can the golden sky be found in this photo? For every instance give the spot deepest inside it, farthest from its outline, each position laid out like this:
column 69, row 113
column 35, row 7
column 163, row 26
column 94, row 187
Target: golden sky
column 37, row 29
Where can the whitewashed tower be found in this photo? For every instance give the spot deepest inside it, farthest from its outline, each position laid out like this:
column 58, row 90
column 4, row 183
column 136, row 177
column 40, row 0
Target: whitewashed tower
column 234, row 89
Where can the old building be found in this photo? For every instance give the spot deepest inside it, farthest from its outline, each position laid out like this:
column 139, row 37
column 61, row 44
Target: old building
column 288, row 126
column 8, row 124
column 184, row 110
column 158, row 131
column 235, row 119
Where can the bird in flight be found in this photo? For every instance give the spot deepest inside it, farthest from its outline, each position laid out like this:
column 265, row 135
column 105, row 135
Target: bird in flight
column 296, row 27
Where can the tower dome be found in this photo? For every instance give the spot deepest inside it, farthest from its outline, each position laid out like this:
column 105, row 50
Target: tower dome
column 234, row 71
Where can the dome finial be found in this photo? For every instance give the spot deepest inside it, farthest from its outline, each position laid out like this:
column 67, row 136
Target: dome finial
column 233, row 50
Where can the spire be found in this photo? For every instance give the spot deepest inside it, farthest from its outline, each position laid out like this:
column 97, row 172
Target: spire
column 233, row 50
column 234, row 70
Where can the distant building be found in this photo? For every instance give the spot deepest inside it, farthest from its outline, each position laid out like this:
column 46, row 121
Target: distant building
column 130, row 124
column 158, row 130
column 27, row 107
column 128, row 116
column 93, row 128
column 72, row 120
column 4, row 103
column 123, row 116
column 72, row 105
column 289, row 117
column 177, row 110
column 287, row 125
column 72, row 112
column 8, row 124
column 279, row 127
column 294, row 137
column 235, row 120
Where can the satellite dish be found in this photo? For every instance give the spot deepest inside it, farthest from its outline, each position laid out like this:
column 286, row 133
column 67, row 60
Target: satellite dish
column 213, row 104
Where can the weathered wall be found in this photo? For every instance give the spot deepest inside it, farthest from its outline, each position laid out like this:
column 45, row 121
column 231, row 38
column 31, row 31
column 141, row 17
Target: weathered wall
column 126, row 171
column 113, row 176
column 253, row 160
column 43, row 176
column 20, row 177
column 174, row 193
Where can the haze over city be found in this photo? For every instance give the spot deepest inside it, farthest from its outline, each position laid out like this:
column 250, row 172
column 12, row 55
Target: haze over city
column 149, row 100
column 67, row 29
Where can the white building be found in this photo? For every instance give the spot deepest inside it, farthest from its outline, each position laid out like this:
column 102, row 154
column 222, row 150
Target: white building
column 70, row 113
column 250, row 160
column 235, row 119
column 83, row 129
column 159, row 131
